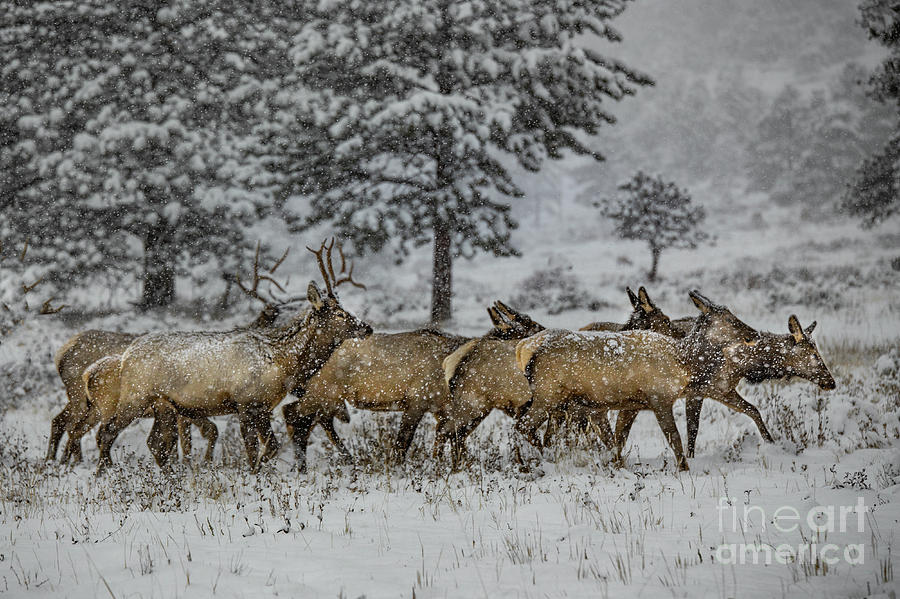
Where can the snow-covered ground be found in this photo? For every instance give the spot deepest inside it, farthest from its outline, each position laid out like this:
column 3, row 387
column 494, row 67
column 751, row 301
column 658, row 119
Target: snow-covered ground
column 512, row 524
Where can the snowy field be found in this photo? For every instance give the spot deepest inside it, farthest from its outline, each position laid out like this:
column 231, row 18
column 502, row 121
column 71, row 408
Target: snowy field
column 512, row 524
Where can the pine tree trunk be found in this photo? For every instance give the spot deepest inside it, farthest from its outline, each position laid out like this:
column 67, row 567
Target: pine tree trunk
column 159, row 268
column 442, row 282
column 656, row 252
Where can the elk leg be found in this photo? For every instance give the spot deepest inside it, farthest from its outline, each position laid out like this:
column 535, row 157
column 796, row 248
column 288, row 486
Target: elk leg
column 692, row 408
column 70, row 450
column 598, row 419
column 267, row 435
column 458, row 440
column 163, row 437
column 666, row 421
column 299, row 426
column 624, row 422
column 733, row 400
column 328, row 426
column 579, row 417
column 184, row 437
column 75, row 432
column 530, row 418
column 57, row 429
column 210, row 432
column 106, row 436
column 408, row 425
column 251, row 439
column 553, row 423
column 440, row 439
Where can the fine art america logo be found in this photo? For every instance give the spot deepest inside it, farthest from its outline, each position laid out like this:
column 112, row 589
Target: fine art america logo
column 817, row 522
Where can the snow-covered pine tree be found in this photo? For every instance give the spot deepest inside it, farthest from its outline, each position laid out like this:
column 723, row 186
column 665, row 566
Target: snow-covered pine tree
column 129, row 123
column 422, row 102
column 873, row 193
column 654, row 210
column 21, row 294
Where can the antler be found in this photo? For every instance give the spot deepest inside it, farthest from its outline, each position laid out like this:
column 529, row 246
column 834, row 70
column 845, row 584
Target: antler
column 254, row 292
column 46, row 308
column 323, row 257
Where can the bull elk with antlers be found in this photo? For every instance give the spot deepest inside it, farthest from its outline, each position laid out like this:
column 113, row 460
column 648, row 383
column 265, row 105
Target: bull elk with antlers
column 243, row 372
column 87, row 347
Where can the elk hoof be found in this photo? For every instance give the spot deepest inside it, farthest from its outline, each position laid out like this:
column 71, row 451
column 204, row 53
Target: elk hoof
column 683, row 466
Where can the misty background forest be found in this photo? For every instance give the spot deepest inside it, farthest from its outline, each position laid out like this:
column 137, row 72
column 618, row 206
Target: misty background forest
column 148, row 158
column 166, row 164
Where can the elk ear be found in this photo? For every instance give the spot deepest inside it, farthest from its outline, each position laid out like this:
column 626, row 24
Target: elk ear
column 635, row 302
column 506, row 311
column 703, row 304
column 795, row 329
column 646, row 305
column 808, row 330
column 315, row 296
column 498, row 321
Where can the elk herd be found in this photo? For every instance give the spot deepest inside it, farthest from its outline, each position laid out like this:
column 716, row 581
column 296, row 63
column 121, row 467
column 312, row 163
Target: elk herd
column 327, row 358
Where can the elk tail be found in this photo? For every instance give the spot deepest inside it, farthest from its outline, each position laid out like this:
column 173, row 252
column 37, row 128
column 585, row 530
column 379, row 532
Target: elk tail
column 454, row 361
column 526, row 350
column 98, row 379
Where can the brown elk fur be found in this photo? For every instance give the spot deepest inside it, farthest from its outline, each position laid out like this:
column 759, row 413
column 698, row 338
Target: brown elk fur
column 635, row 370
column 76, row 418
column 645, row 316
column 385, row 372
column 247, row 372
column 481, row 376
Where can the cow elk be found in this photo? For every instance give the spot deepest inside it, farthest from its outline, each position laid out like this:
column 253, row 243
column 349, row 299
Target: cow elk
column 384, row 372
column 247, row 372
column 645, row 316
column 481, row 376
column 774, row 357
column 79, row 415
column 636, row 370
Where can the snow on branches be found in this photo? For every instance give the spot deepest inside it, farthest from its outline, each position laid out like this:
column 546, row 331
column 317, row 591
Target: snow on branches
column 20, row 281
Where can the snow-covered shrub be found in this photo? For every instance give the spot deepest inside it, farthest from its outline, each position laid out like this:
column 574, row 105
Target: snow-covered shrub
column 863, row 412
column 811, row 285
column 23, row 292
column 386, row 302
column 555, row 289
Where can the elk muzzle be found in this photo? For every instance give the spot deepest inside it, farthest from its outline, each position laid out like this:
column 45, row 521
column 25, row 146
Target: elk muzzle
column 826, row 382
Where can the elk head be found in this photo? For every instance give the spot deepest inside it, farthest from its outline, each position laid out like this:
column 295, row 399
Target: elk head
column 719, row 326
column 802, row 358
column 329, row 318
column 518, row 325
column 646, row 316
